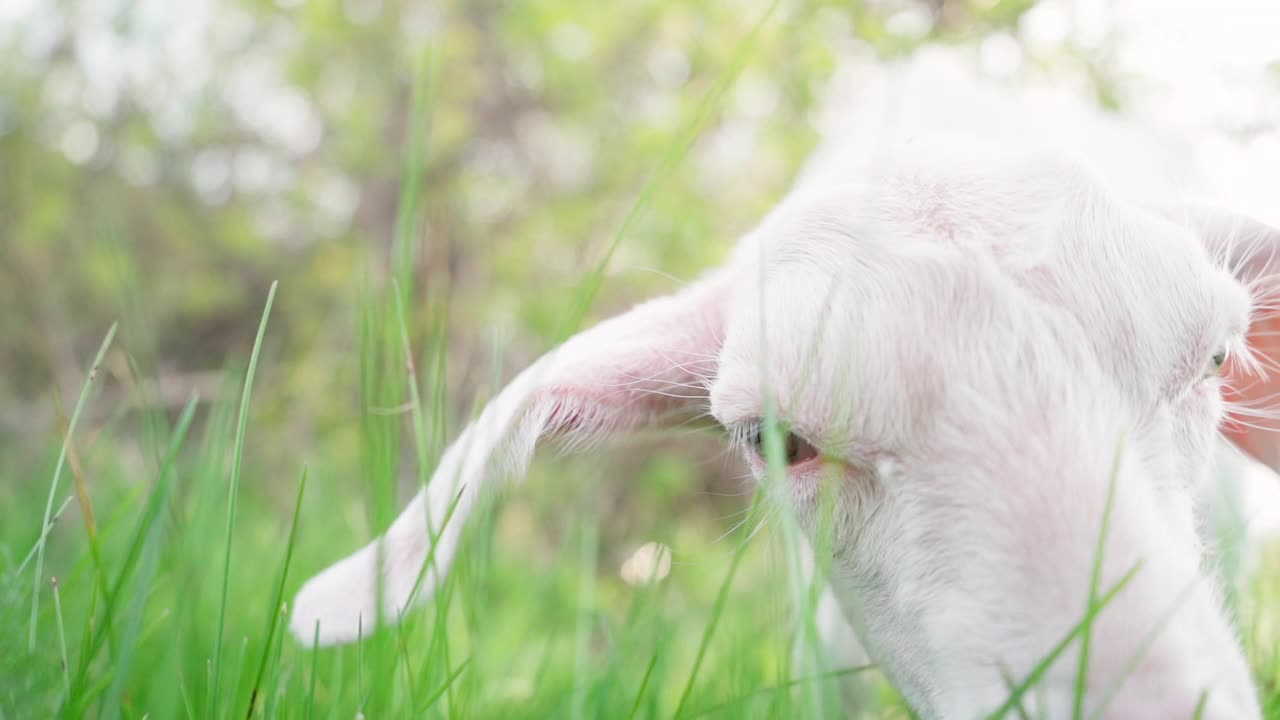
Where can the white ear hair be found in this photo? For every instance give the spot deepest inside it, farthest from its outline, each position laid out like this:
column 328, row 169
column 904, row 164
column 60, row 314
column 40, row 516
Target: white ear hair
column 1249, row 247
column 647, row 365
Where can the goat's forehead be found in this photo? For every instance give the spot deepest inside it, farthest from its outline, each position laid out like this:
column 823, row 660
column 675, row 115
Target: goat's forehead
column 895, row 282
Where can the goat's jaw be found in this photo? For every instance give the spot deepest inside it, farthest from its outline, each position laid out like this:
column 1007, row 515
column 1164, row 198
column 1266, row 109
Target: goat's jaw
column 954, row 644
column 1213, row 678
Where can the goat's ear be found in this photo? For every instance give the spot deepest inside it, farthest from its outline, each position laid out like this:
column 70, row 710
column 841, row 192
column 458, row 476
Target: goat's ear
column 650, row 365
column 1251, row 250
column 1249, row 247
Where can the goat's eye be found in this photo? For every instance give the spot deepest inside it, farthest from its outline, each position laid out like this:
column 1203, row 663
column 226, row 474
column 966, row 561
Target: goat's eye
column 1216, row 362
column 795, row 448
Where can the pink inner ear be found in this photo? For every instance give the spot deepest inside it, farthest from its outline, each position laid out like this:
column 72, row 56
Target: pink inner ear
column 646, row 366
column 1259, row 438
column 626, row 390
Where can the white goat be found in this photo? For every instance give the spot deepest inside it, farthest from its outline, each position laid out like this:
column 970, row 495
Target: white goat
column 972, row 342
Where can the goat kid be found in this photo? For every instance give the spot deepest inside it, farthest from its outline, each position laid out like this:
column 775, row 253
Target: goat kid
column 975, row 349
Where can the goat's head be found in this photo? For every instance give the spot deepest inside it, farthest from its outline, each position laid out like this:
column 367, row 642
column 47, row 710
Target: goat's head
column 972, row 362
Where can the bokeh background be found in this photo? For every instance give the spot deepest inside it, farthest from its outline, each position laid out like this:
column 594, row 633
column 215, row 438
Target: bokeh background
column 179, row 156
column 163, row 162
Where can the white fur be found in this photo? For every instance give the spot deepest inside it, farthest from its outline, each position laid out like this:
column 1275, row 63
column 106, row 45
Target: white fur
column 985, row 340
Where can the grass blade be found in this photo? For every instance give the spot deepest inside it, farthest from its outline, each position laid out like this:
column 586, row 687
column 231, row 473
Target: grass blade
column 237, row 458
column 31, row 554
column 1200, row 705
column 315, row 672
column 440, row 691
column 274, row 613
column 644, row 685
column 86, row 513
column 1091, row 606
column 408, row 221
column 57, row 474
column 717, row 610
column 149, row 538
column 143, row 537
column 62, row 637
